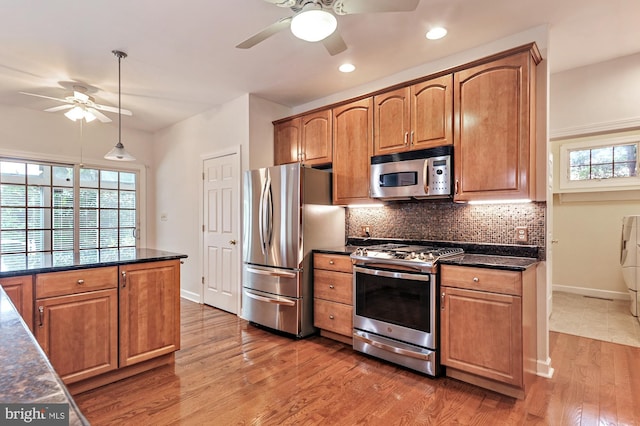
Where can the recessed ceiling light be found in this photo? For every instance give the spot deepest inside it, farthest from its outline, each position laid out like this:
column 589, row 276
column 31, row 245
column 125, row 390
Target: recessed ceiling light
column 436, row 33
column 347, row 67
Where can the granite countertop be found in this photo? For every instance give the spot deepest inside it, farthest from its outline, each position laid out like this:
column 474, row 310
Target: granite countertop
column 495, row 256
column 26, row 376
column 11, row 265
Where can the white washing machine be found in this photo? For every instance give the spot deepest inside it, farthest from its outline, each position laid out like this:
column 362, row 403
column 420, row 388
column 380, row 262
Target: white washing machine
column 630, row 258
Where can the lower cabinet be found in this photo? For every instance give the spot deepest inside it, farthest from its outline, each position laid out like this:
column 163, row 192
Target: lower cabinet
column 333, row 296
column 20, row 291
column 488, row 327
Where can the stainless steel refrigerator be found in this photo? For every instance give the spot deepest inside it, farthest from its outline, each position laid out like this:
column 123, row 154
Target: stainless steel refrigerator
column 287, row 213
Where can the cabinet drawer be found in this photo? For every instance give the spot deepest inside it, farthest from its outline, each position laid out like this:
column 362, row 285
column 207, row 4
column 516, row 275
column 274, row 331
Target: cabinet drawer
column 484, row 279
column 77, row 281
column 332, row 316
column 332, row 262
column 333, row 286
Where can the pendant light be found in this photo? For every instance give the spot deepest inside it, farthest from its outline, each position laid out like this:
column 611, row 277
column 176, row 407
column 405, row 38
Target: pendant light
column 118, row 152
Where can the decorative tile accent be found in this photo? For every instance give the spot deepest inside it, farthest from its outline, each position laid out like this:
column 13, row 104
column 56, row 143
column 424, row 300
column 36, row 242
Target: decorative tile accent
column 448, row 221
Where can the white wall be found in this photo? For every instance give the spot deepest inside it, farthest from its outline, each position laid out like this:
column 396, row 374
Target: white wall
column 600, row 100
column 177, row 169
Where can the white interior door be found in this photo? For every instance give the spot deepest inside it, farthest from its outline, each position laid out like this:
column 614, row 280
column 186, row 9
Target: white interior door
column 221, row 192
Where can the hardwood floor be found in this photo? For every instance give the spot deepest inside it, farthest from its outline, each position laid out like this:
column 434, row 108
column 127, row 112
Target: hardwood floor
column 229, row 372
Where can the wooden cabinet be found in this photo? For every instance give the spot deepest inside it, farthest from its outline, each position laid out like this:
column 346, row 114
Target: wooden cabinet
column 494, row 129
column 306, row 139
column 414, row 117
column 20, row 291
column 333, row 296
column 149, row 310
column 76, row 321
column 488, row 327
column 352, row 150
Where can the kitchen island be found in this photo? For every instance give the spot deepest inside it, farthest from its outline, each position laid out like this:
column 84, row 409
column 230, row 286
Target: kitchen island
column 102, row 316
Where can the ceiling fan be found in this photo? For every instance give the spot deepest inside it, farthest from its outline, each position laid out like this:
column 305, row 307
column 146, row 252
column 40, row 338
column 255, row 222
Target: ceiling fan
column 80, row 105
column 312, row 20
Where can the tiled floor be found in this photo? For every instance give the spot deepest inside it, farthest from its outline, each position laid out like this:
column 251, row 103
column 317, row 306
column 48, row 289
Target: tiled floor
column 601, row 319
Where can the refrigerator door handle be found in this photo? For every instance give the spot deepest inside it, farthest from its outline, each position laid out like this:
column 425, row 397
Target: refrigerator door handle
column 278, row 300
column 263, row 212
column 284, row 274
column 269, row 207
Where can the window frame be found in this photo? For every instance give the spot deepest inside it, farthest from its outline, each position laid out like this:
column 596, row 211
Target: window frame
column 606, row 184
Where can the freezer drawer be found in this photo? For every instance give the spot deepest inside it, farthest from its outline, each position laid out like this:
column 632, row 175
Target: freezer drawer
column 273, row 311
column 272, row 280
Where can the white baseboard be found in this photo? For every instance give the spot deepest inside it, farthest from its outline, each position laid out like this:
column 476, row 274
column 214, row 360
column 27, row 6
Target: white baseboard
column 189, row 295
column 544, row 369
column 591, row 292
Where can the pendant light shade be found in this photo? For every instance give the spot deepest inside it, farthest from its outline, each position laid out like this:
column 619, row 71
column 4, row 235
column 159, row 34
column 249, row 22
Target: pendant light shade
column 118, row 153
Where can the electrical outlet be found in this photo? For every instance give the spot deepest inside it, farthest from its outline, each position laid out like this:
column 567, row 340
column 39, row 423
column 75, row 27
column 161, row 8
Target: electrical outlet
column 366, row 230
column 522, row 234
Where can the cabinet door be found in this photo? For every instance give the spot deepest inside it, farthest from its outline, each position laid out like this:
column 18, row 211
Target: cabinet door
column 286, row 142
column 432, row 113
column 352, row 148
column 79, row 333
column 391, row 121
column 20, row 291
column 494, row 130
column 482, row 334
column 316, row 138
column 149, row 310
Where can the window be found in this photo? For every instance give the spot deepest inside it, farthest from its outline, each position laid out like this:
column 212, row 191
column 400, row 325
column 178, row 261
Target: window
column 600, row 164
column 62, row 209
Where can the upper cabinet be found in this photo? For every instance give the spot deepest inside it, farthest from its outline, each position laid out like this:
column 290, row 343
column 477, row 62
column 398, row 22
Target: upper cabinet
column 305, row 139
column 494, row 129
column 414, row 117
column 352, row 140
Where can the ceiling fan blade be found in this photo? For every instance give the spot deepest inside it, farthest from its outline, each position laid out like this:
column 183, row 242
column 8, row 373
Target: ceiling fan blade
column 334, row 43
column 100, row 116
column 348, row 7
column 112, row 109
column 59, row 108
column 272, row 29
column 46, row 97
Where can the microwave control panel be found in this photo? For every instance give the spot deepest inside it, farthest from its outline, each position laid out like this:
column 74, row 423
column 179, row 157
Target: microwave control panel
column 439, row 176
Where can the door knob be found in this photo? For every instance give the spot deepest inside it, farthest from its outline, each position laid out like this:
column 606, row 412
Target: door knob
column 232, row 242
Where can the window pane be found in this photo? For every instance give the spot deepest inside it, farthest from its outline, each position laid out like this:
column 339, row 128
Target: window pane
column 89, row 256
column 13, row 241
column 580, row 173
column 38, row 174
column 89, row 198
column 63, row 239
column 128, row 181
column 624, row 169
column 39, row 240
column 579, row 158
column 108, row 218
column 62, row 258
column 109, row 255
column 602, row 155
column 108, row 199
column 12, row 172
column 62, row 197
column 88, row 238
column 127, row 238
column 63, row 176
column 108, row 238
column 13, row 218
column 89, row 178
column 624, row 153
column 13, row 261
column 13, row 195
column 39, row 196
column 62, row 218
column 127, row 218
column 127, row 200
column 602, row 171
column 39, row 218
column 88, row 218
column 108, row 179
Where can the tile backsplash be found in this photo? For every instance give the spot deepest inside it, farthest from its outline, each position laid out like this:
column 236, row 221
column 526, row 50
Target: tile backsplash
column 448, row 221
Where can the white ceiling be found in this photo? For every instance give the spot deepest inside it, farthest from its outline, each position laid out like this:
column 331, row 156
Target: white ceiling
column 182, row 56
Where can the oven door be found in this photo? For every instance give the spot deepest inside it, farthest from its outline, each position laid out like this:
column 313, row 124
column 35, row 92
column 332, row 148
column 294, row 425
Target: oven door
column 397, row 305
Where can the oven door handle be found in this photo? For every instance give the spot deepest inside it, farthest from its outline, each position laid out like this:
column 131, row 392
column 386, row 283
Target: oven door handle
column 393, row 349
column 391, row 274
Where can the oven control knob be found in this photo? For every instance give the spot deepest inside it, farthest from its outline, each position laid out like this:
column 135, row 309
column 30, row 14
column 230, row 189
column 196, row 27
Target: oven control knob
column 431, row 257
column 412, row 255
column 421, row 256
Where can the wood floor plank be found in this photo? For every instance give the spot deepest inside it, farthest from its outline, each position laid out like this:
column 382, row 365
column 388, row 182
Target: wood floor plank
column 231, row 372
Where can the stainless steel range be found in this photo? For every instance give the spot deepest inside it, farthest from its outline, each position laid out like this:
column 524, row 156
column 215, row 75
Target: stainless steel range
column 395, row 313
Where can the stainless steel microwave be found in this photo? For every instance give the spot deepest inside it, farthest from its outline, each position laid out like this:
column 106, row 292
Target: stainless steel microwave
column 414, row 174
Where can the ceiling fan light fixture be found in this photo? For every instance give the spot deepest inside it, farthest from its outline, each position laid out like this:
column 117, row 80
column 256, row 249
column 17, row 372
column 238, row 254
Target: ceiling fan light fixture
column 313, row 25
column 78, row 113
column 118, row 153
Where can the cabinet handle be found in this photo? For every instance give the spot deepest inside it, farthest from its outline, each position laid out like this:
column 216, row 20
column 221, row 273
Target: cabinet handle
column 331, row 317
column 412, row 137
column 41, row 315
column 124, row 279
column 331, row 262
column 406, row 138
column 455, row 191
column 476, row 279
column 331, row 286
column 80, row 282
column 442, row 297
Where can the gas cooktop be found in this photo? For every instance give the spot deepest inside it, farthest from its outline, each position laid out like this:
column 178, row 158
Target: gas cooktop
column 421, row 257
